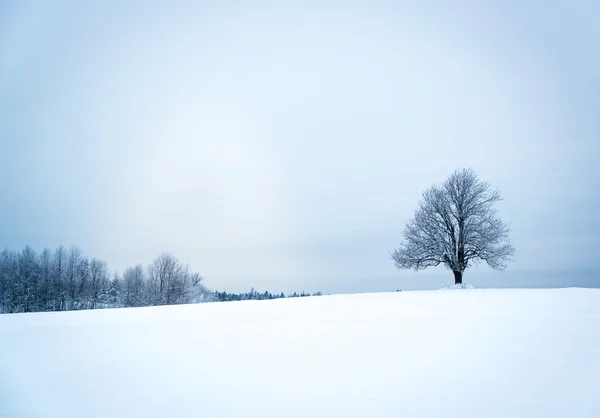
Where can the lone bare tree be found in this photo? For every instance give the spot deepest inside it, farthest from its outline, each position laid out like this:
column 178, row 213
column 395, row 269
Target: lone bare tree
column 455, row 225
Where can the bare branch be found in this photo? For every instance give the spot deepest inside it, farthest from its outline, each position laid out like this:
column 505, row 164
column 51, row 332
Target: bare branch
column 455, row 225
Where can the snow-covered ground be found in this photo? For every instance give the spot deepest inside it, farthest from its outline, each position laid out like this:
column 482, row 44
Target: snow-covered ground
column 466, row 354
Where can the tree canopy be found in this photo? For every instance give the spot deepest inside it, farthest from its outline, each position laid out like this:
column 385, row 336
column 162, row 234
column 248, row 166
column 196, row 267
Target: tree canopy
column 456, row 224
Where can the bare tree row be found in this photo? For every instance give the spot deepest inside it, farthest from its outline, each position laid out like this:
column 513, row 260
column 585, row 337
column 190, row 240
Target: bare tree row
column 67, row 280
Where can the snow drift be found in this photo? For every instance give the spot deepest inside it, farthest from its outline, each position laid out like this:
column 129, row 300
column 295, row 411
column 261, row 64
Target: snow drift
column 477, row 353
column 460, row 286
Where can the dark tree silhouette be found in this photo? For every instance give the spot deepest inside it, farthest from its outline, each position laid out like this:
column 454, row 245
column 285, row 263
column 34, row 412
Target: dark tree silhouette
column 455, row 225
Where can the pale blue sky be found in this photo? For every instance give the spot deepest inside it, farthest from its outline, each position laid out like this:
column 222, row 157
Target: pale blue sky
column 284, row 146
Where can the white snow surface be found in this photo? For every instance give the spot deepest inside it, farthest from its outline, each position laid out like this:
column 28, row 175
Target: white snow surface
column 460, row 286
column 469, row 354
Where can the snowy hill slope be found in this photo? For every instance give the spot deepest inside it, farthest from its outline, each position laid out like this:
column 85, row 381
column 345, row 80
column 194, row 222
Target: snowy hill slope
column 467, row 354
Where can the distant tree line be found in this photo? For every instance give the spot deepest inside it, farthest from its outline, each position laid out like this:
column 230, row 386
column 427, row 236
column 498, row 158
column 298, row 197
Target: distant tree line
column 254, row 295
column 64, row 280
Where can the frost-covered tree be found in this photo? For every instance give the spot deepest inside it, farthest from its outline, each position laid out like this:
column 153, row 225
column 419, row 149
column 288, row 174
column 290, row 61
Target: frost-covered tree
column 170, row 281
column 46, row 290
column 99, row 282
column 72, row 268
column 113, row 292
column 9, row 277
column 28, row 281
column 59, row 269
column 133, row 286
column 163, row 270
column 456, row 225
column 83, row 286
column 195, row 290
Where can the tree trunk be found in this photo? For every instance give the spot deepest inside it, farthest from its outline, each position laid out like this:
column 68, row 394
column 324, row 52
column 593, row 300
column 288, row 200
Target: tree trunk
column 457, row 277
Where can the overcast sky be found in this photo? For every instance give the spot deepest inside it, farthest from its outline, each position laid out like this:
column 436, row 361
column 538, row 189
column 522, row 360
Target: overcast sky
column 283, row 147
